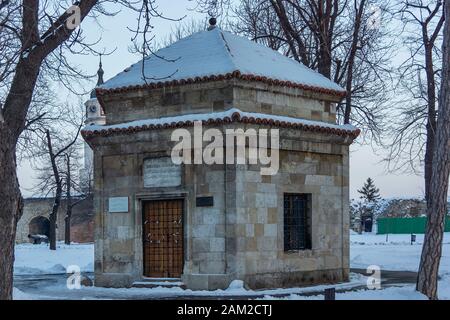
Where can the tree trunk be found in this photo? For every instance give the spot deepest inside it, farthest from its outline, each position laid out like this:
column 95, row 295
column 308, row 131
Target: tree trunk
column 326, row 18
column 67, row 238
column 54, row 218
column 54, row 214
column 431, row 117
column 428, row 161
column 67, row 219
column 351, row 61
column 295, row 43
column 12, row 122
column 11, row 206
column 69, row 203
column 427, row 280
column 53, row 223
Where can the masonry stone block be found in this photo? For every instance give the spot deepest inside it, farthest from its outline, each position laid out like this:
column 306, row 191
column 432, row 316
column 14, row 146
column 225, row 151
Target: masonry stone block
column 203, row 230
column 201, row 245
column 270, row 230
column 249, row 230
column 217, row 244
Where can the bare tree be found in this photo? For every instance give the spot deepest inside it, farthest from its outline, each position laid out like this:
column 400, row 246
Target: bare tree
column 36, row 38
column 181, row 31
column 427, row 281
column 414, row 133
column 55, row 150
column 346, row 41
column 56, row 157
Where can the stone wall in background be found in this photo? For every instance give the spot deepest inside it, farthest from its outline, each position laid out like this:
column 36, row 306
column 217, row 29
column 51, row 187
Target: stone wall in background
column 37, row 210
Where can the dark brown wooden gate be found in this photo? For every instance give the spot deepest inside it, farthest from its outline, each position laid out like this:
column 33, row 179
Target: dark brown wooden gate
column 163, row 238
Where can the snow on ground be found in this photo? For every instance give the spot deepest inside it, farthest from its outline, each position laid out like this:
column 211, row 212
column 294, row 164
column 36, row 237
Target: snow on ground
column 396, row 254
column 391, row 293
column 353, row 291
column 392, row 239
column 400, row 292
column 20, row 295
column 39, row 259
column 58, row 290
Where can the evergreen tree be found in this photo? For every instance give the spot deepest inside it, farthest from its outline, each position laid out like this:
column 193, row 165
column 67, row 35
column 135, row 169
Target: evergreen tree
column 369, row 192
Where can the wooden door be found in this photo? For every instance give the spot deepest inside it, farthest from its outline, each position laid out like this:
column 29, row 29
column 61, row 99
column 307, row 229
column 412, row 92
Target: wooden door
column 163, row 238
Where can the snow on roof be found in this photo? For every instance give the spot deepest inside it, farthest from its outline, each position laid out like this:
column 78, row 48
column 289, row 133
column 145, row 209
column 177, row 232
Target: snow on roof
column 136, row 125
column 217, row 52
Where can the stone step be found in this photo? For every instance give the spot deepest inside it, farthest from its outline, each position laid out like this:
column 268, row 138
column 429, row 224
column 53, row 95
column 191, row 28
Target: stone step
column 159, row 282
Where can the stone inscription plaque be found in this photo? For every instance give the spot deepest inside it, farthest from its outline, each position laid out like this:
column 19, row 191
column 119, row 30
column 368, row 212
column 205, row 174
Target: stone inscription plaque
column 161, row 172
column 118, row 204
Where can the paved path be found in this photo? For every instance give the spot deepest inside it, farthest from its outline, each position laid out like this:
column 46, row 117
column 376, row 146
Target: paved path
column 392, row 277
column 54, row 287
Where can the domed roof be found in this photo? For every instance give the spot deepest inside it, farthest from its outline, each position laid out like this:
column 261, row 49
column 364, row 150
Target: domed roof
column 216, row 52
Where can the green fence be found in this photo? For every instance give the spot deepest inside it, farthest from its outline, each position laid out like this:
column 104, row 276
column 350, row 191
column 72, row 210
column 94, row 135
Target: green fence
column 405, row 225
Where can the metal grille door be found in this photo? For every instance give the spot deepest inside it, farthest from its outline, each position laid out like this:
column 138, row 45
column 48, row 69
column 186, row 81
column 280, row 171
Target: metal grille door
column 163, row 239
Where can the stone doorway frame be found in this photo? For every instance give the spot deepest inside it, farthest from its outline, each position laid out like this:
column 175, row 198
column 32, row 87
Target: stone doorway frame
column 140, row 200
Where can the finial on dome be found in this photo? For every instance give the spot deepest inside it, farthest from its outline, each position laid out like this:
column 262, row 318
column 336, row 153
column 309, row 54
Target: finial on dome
column 100, row 73
column 212, row 23
column 100, row 80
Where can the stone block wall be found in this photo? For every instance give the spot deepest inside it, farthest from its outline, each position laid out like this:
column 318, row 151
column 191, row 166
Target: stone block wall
column 118, row 253
column 241, row 236
column 283, row 101
column 82, row 222
column 219, row 96
column 261, row 259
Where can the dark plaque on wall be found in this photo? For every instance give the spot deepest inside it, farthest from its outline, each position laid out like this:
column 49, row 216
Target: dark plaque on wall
column 204, row 202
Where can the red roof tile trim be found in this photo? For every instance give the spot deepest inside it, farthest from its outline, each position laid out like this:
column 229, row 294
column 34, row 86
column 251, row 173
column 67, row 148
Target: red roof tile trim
column 235, row 117
column 234, row 75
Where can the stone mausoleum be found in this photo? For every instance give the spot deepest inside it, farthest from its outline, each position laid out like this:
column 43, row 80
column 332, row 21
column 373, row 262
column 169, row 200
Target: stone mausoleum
column 204, row 225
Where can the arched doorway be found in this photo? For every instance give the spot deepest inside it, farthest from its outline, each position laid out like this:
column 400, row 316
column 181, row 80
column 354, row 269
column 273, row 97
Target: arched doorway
column 39, row 226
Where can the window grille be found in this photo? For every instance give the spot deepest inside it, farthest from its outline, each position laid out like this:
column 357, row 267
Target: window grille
column 297, row 222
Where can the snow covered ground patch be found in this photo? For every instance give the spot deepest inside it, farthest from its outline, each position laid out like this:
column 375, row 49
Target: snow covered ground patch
column 20, row 295
column 391, row 293
column 400, row 292
column 389, row 240
column 40, row 274
column 56, row 289
column 39, row 259
column 396, row 254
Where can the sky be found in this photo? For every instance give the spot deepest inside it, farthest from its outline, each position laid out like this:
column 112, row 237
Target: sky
column 364, row 162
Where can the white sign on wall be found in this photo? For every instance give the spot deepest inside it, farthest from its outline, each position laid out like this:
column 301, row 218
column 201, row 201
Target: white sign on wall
column 161, row 172
column 118, row 204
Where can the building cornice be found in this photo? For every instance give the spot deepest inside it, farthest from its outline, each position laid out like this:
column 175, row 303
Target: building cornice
column 231, row 116
column 234, row 75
